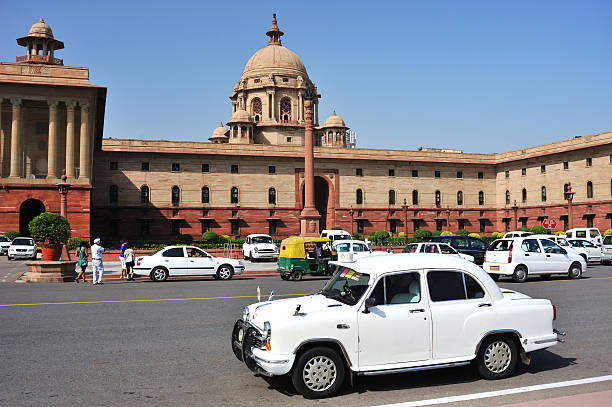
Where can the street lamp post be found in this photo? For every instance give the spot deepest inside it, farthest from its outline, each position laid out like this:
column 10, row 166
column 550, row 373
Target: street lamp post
column 309, row 218
column 351, row 212
column 405, row 208
column 63, row 188
column 569, row 196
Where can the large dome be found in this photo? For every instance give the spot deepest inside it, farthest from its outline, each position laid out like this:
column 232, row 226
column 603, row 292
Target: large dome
column 275, row 59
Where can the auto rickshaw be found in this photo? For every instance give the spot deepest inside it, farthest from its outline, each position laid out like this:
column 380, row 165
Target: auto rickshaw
column 304, row 255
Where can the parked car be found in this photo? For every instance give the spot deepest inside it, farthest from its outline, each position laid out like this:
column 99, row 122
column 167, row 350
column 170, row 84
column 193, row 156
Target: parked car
column 186, row 261
column 516, row 233
column 593, row 252
column 357, row 249
column 259, row 246
column 22, row 248
column 591, row 234
column 466, row 245
column 606, row 251
column 5, row 243
column 438, row 248
column 336, row 234
column 524, row 256
column 562, row 241
column 393, row 314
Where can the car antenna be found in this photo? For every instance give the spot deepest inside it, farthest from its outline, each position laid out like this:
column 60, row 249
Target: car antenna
column 297, row 310
column 271, row 297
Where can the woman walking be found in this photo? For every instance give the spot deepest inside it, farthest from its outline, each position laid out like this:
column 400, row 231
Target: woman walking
column 81, row 253
column 129, row 262
column 122, row 259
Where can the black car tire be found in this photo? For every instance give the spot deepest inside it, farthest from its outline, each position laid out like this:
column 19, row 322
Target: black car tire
column 318, row 367
column 575, row 271
column 520, row 274
column 159, row 274
column 222, row 272
column 495, row 277
column 497, row 357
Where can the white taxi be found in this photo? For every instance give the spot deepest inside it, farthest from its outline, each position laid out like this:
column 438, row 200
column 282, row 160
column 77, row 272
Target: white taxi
column 357, row 248
column 434, row 247
column 259, row 246
column 392, row 314
column 22, row 248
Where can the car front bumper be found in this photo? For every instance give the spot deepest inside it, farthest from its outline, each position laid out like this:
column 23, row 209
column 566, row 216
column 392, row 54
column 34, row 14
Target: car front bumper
column 264, row 255
column 606, row 255
column 238, row 270
column 25, row 255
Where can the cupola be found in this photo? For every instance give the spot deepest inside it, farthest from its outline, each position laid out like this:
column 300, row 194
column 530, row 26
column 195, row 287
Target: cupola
column 41, row 45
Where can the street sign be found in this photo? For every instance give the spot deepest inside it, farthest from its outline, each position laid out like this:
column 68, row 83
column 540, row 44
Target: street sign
column 549, row 223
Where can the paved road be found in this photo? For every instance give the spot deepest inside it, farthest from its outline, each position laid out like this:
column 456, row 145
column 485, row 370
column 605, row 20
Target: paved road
column 136, row 344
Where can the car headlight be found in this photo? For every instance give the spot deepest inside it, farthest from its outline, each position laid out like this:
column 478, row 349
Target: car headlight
column 267, row 333
column 245, row 314
column 256, row 250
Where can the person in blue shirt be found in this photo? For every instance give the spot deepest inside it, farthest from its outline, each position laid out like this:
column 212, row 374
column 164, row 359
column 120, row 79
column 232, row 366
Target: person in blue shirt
column 122, row 259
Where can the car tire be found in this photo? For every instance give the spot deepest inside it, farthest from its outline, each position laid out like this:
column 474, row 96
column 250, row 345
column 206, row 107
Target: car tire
column 245, row 256
column 318, row 373
column 606, row 263
column 159, row 274
column 9, row 258
column 251, row 257
column 575, row 271
column 497, row 357
column 296, row 275
column 495, row 277
column 225, row 272
column 520, row 274
column 284, row 277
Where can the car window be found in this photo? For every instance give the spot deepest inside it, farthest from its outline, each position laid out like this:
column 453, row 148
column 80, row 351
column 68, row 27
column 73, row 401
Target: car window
column 411, row 248
column 429, row 248
column 446, row 240
column 446, row 249
column 347, row 286
column 531, row 246
column 461, row 242
column 562, row 242
column 343, row 247
column 477, row 244
column 445, row 285
column 575, row 243
column 581, row 233
column 586, row 243
column 607, row 239
column 473, row 289
column 594, row 232
column 501, row 246
column 261, row 239
column 194, row 252
column 550, row 247
column 174, row 252
column 4, row 239
column 23, row 242
column 360, row 247
column 404, row 288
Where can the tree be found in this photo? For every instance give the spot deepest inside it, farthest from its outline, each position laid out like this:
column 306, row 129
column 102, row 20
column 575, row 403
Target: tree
column 422, row 234
column 50, row 227
column 209, row 237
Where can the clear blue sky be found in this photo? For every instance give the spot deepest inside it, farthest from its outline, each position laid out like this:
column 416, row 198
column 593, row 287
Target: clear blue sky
column 483, row 76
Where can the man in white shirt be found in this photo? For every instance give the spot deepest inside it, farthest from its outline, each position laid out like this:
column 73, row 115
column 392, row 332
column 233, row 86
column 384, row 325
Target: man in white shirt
column 96, row 261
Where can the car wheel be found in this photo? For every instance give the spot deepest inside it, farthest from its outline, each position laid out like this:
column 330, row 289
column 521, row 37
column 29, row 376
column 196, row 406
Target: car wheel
column 9, row 258
column 251, row 257
column 318, row 373
column 575, row 271
column 296, row 275
column 495, row 277
column 284, row 276
column 245, row 256
column 159, row 274
column 520, row 274
column 497, row 357
column 606, row 263
column 225, row 272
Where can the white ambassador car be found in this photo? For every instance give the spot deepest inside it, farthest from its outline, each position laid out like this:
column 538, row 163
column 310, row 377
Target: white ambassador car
column 440, row 248
column 392, row 314
column 186, row 261
column 357, row 248
column 259, row 246
column 22, row 248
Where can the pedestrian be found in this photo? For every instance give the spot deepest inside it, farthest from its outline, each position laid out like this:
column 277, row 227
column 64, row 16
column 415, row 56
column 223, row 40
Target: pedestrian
column 129, row 262
column 81, row 253
column 96, row 261
column 122, row 259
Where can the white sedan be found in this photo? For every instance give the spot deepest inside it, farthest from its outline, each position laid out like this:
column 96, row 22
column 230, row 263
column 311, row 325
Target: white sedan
column 186, row 261
column 439, row 248
column 357, row 248
column 22, row 248
column 5, row 243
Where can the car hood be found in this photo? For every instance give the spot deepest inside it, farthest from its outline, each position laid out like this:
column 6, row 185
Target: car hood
column 22, row 247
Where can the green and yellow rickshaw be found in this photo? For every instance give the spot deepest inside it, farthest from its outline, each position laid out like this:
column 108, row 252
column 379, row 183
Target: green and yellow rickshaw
column 304, row 255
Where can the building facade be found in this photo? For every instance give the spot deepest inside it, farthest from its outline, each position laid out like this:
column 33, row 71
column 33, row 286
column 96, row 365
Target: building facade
column 250, row 176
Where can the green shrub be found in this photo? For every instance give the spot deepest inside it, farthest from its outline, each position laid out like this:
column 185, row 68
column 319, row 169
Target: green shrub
column 413, row 240
column 497, row 235
column 488, row 239
column 224, row 239
column 462, row 232
column 436, row 233
column 380, row 236
column 11, row 234
column 522, row 229
column 401, row 234
column 209, row 237
column 474, row 235
column 357, row 236
column 446, row 233
column 562, row 232
column 75, row 242
column 421, row 234
column 606, row 233
column 395, row 241
column 539, row 230
column 49, row 227
column 336, row 228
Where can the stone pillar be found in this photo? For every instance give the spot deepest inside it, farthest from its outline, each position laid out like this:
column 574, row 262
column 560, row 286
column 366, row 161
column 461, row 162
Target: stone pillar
column 317, row 113
column 52, row 145
column 85, row 154
column 299, row 106
column 70, row 139
column 274, row 106
column 16, row 139
column 515, row 215
column 309, row 218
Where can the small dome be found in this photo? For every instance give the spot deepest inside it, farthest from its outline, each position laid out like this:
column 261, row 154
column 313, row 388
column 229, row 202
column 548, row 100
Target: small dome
column 219, row 132
column 334, row 121
column 241, row 116
column 41, row 29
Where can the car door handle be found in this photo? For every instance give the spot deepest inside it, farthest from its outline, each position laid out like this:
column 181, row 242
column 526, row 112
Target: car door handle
column 417, row 310
column 526, row 254
column 485, row 304
column 191, row 261
column 548, row 255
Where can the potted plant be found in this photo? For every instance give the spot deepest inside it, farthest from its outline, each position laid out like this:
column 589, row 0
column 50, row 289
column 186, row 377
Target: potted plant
column 52, row 230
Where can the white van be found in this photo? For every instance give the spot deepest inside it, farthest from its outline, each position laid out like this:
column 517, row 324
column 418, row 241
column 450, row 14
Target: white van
column 336, row 234
column 516, row 233
column 591, row 234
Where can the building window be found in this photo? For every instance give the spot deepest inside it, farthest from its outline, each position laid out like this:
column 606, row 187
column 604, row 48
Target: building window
column 359, row 197
column 438, row 199
column 256, row 106
column 565, row 222
column 459, row 197
column 610, row 158
column 480, row 175
column 391, row 197
column 415, row 197
column 144, row 166
column 611, row 187
column 176, row 167
column 145, row 228
column 437, row 174
column 114, row 165
column 234, row 169
column 507, row 174
column 439, row 224
column 543, row 194
column 285, row 109
column 566, row 165
column 288, row 139
column 176, row 227
column 359, row 172
column 235, row 226
column 523, row 222
column 507, row 197
column 144, row 194
column 392, row 227
column 205, row 195
column 506, row 225
column 176, row 195
column 113, row 194
column 589, row 222
column 589, row 161
column 391, row 172
column 481, row 198
column 461, row 224
column 542, row 169
column 272, row 196
column 234, row 195
column 523, row 171
column 360, row 227
column 205, row 167
column 589, row 190
column 415, row 173
column 483, row 224
column 272, row 228
column 459, row 174
column 524, row 195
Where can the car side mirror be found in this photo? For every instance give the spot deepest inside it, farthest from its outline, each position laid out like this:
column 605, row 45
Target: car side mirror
column 369, row 303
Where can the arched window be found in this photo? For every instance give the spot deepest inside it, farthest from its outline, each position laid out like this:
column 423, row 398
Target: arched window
column 359, row 197
column 524, row 195
column 205, row 195
column 459, row 197
column 235, row 132
column 415, row 197
column 391, row 197
column 243, row 131
column 543, row 194
column 480, row 198
column 589, row 189
column 113, row 194
column 285, row 109
column 176, row 195
column 272, row 196
column 507, row 197
column 144, row 194
column 234, row 195
column 256, row 108
column 438, row 199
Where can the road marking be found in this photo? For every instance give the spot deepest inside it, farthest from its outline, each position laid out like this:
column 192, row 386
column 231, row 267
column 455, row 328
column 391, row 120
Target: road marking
column 497, row 393
column 145, row 300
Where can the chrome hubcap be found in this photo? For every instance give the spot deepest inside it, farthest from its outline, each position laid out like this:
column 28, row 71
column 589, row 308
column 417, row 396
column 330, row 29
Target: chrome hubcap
column 224, row 273
column 497, row 357
column 319, row 373
column 575, row 271
column 159, row 274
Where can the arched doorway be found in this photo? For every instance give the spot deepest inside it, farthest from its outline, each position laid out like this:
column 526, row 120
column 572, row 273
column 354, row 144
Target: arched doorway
column 321, row 190
column 28, row 210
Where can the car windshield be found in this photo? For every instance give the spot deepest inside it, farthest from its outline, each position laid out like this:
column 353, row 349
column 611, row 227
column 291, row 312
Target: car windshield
column 23, row 242
column 500, row 246
column 261, row 239
column 607, row 239
column 342, row 247
column 347, row 286
column 341, row 237
column 594, row 232
column 411, row 248
column 4, row 239
column 562, row 242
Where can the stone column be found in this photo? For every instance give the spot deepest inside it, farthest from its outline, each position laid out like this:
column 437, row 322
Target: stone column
column 52, row 145
column 299, row 106
column 16, row 139
column 309, row 218
column 1, row 141
column 70, row 139
column 274, row 106
column 316, row 112
column 84, row 143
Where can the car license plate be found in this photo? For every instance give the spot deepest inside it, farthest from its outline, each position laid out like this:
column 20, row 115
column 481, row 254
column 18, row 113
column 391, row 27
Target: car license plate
column 494, row 268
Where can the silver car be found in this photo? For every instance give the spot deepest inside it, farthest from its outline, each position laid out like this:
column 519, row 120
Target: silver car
column 606, row 251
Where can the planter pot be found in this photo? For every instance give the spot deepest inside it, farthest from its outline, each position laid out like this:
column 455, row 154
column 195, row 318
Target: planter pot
column 51, row 252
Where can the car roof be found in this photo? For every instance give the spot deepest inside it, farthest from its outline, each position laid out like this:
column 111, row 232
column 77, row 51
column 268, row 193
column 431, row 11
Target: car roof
column 347, row 241
column 259, row 234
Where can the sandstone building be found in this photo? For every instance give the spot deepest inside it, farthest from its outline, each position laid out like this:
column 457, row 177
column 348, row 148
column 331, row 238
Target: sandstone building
column 249, row 177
